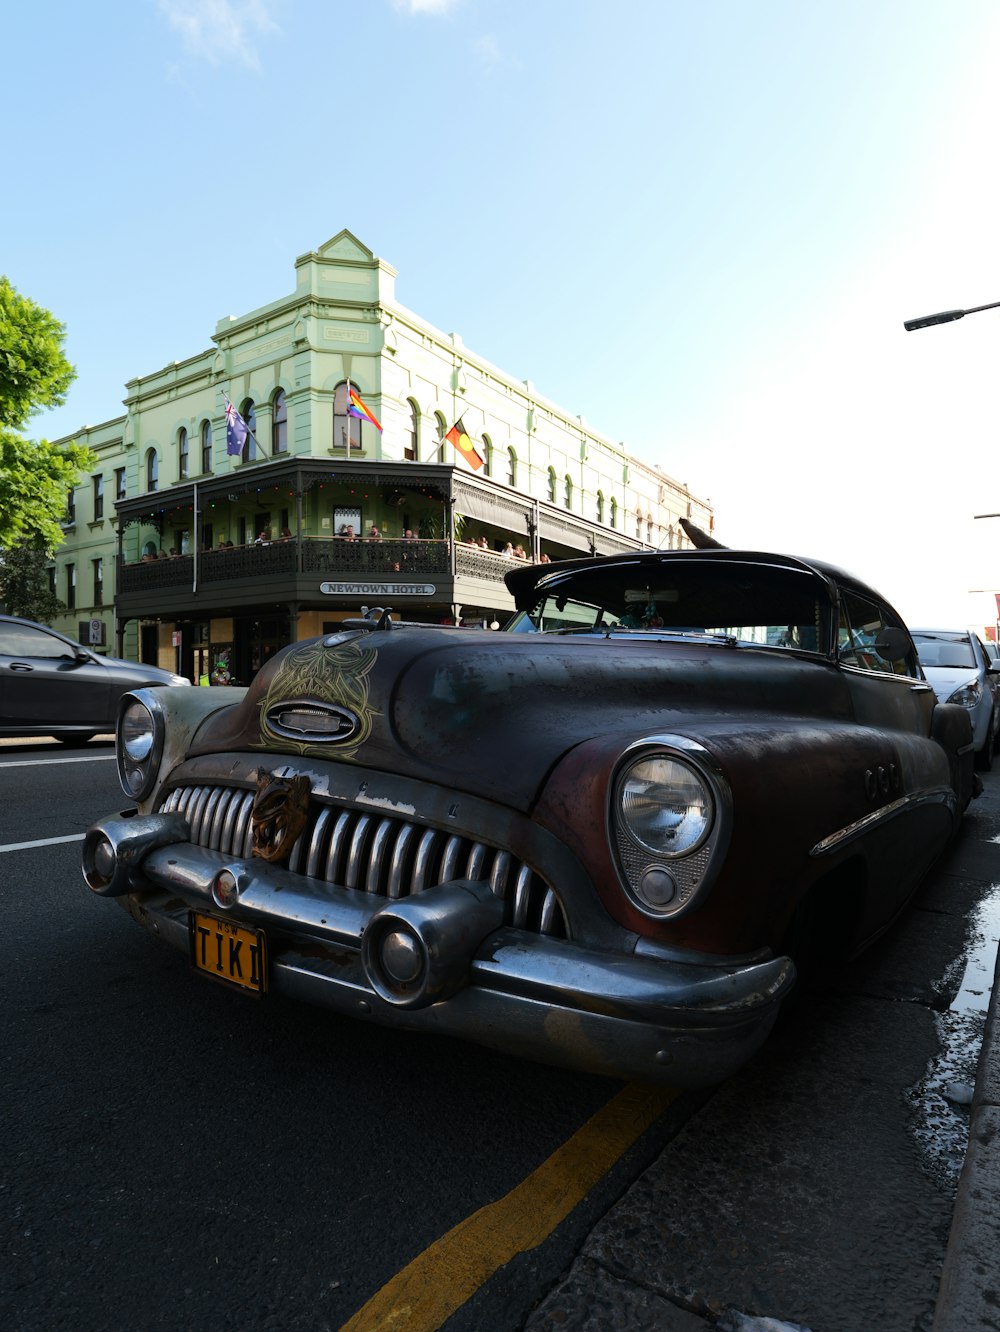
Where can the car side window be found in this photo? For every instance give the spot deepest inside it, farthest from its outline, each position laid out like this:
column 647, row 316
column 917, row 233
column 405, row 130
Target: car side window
column 23, row 640
column 863, row 624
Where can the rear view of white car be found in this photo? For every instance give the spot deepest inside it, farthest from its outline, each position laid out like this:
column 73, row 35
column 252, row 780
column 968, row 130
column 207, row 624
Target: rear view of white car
column 960, row 670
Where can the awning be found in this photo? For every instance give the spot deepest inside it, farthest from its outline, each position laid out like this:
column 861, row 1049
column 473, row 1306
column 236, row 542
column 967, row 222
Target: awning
column 503, row 511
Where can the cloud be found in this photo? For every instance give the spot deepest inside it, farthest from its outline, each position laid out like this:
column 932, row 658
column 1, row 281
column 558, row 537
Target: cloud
column 424, row 6
column 220, row 30
column 487, row 49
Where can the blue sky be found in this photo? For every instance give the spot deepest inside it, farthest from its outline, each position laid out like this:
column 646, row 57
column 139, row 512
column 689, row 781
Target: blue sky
column 741, row 201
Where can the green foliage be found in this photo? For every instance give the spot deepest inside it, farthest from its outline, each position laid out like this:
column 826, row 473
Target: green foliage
column 35, row 476
column 34, row 373
column 24, row 585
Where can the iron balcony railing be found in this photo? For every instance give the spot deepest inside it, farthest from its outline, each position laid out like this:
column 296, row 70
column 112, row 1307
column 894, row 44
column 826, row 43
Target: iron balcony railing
column 366, row 559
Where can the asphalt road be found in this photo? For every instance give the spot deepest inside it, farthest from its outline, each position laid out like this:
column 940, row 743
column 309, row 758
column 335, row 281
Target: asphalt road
column 176, row 1156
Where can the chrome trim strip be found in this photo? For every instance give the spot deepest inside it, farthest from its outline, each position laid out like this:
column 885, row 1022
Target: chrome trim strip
column 851, row 833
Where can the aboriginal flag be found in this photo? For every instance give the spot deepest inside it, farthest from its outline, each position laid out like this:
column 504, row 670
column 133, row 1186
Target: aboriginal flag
column 458, row 436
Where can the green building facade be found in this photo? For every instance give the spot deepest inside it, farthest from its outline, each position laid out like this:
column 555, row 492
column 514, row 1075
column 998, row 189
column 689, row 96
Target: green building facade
column 179, row 553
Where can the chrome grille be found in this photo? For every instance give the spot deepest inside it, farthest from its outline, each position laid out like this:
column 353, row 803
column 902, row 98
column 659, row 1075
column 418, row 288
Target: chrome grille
column 388, row 857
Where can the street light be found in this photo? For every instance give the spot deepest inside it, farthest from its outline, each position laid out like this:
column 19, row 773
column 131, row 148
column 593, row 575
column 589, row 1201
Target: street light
column 944, row 317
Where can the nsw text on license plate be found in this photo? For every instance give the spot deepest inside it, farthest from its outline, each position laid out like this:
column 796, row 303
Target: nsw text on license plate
column 229, row 952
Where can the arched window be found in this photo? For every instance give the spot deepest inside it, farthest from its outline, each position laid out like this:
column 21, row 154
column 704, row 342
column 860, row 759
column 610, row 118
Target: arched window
column 206, row 446
column 411, row 451
column 152, row 470
column 649, row 532
column 614, row 512
column 249, row 444
column 182, row 454
column 552, row 485
column 638, row 525
column 346, row 429
column 600, row 506
column 279, row 424
column 440, row 452
column 568, row 491
column 511, row 467
column 487, row 456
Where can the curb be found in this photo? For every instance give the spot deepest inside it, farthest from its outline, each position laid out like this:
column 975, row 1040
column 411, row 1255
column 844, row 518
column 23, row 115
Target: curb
column 969, row 1294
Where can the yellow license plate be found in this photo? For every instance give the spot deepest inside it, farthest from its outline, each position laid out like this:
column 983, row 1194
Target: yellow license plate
column 229, row 952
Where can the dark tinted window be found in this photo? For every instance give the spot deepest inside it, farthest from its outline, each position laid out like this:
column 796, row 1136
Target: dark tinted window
column 862, row 631
column 23, row 640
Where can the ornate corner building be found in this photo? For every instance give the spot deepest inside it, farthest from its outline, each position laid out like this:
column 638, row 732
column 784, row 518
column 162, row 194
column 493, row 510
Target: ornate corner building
column 181, row 553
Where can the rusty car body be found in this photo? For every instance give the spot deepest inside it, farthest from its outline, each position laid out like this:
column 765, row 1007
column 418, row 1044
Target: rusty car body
column 602, row 838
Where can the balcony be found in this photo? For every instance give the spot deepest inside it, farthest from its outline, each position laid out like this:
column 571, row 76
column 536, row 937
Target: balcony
column 440, row 572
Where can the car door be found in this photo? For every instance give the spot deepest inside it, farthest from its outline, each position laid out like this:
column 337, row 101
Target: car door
column 892, row 700
column 43, row 682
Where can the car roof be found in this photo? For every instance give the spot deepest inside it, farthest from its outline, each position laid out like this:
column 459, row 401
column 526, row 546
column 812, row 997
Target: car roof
column 522, row 582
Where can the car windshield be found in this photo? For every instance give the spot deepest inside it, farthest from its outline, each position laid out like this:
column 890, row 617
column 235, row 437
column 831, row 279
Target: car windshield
column 767, row 606
column 952, row 651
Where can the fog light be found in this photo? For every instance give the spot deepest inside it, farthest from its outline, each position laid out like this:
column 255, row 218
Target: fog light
column 226, row 889
column 657, row 887
column 402, row 957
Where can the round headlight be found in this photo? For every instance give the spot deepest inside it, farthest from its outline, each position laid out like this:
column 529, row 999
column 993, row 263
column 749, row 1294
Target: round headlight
column 666, row 805
column 136, row 731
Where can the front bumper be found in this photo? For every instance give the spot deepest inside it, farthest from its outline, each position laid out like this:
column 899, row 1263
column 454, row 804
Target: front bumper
column 442, row 961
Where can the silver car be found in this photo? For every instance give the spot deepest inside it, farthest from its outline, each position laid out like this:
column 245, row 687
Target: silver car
column 960, row 670
column 50, row 685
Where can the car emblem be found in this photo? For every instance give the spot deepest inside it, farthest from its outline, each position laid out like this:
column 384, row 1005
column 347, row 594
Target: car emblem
column 312, row 722
column 279, row 813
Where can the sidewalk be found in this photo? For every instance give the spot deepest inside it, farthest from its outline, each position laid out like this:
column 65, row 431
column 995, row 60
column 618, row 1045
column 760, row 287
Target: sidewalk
column 750, row 1208
column 969, row 1298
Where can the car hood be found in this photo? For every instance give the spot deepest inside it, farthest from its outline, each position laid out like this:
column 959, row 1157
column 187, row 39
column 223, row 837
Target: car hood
column 139, row 671
column 489, row 714
column 944, row 680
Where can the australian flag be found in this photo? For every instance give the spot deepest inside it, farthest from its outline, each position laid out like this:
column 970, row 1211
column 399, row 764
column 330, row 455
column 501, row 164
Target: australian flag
column 236, row 430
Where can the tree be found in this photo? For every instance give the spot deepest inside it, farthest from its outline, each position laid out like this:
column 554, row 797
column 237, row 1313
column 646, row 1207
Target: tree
column 24, row 585
column 35, row 475
column 34, row 373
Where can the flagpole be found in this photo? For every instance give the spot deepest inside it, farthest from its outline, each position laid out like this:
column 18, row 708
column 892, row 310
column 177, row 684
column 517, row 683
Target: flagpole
column 347, row 419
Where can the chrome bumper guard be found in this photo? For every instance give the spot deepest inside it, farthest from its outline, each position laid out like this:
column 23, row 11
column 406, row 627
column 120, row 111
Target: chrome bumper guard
column 442, row 961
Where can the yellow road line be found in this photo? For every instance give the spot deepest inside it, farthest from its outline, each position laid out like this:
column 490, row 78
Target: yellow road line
column 440, row 1280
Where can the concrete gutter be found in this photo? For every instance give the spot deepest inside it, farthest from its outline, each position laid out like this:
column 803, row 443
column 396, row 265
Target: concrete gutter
column 969, row 1296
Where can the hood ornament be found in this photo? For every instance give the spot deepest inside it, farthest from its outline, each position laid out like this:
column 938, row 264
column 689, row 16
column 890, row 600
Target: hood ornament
column 279, row 813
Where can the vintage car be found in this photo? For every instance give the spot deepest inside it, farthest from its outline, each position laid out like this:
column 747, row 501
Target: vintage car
column 603, row 838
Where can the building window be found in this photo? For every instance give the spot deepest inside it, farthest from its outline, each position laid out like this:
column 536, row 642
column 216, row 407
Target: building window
column 152, row 470
column 249, row 444
column 552, row 485
column 98, row 497
column 71, row 506
column 614, row 512
column 441, row 429
column 206, row 446
column 98, row 582
column 279, row 424
column 119, row 483
column 569, row 492
column 182, row 454
column 411, row 451
column 70, row 586
column 600, row 506
column 487, row 456
column 649, row 532
column 52, row 579
column 638, row 525
column 346, row 429
column 511, row 467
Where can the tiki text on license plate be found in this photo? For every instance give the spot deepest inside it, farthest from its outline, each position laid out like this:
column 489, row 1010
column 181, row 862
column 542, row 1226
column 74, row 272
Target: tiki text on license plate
column 229, row 952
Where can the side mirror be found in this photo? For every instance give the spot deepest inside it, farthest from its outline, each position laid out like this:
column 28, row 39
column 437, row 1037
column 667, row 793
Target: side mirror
column 892, row 644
